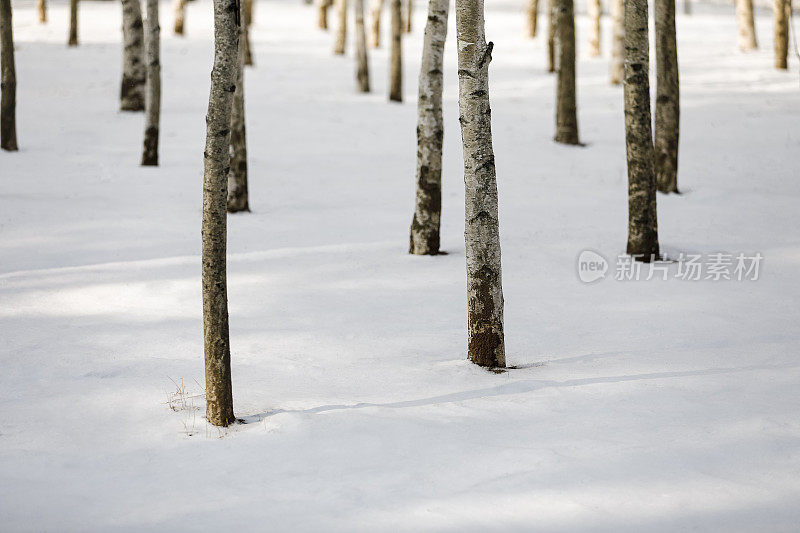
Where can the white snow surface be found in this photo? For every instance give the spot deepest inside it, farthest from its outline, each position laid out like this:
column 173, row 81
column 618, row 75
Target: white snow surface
column 636, row 406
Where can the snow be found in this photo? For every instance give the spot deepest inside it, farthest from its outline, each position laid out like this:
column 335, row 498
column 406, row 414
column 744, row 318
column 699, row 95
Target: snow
column 636, row 406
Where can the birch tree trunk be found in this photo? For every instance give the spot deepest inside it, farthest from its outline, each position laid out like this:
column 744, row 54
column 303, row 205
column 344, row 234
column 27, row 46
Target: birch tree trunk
column 781, row 10
column 248, row 20
column 375, row 11
column 396, row 59
column 425, row 236
column 133, row 69
column 642, row 221
column 551, row 36
column 533, row 15
column 153, row 85
column 322, row 13
column 73, row 23
column 41, row 7
column 747, row 25
column 566, row 107
column 219, row 392
column 482, row 235
column 362, row 64
column 341, row 30
column 595, row 11
column 8, row 81
column 616, row 70
column 180, row 16
column 409, row 5
column 687, row 7
column 237, row 176
column 667, row 98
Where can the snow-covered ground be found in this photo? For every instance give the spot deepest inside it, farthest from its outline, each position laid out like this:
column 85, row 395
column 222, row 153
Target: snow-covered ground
column 636, row 406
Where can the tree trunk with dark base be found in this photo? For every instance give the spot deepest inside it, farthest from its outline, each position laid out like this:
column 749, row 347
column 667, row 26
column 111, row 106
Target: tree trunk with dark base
column 551, row 36
column 667, row 98
column 482, row 234
column 153, row 85
column 180, row 16
column 409, row 8
column 73, row 23
column 237, row 177
column 532, row 12
column 133, row 70
column 322, row 13
column 782, row 11
column 41, row 8
column 341, row 29
column 362, row 62
column 747, row 25
column 616, row 66
column 642, row 219
column 375, row 11
column 8, row 81
column 396, row 59
column 566, row 106
column 425, row 237
column 219, row 392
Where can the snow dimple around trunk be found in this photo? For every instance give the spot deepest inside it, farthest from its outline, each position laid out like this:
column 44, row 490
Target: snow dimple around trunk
column 482, row 234
column 425, row 238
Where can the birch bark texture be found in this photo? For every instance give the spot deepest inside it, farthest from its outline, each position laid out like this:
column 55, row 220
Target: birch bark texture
column 482, row 235
column 667, row 122
column 595, row 9
column 41, row 8
column 362, row 62
column 396, row 56
column 152, row 102
column 616, row 69
column 8, row 81
column 237, row 176
column 341, row 30
column 532, row 12
column 425, row 237
column 133, row 70
column 248, row 20
column 375, row 11
column 180, row 16
column 747, row 25
column 566, row 106
column 219, row 392
column 551, row 36
column 782, row 11
column 73, row 23
column 642, row 221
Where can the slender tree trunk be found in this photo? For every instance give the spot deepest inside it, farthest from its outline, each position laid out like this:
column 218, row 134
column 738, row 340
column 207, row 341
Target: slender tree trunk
column 133, row 69
column 41, row 7
column 153, row 86
column 8, row 81
column 747, row 25
column 566, row 107
column 396, row 59
column 248, row 20
column 430, row 133
column 362, row 64
column 642, row 220
column 73, row 23
column 375, row 11
column 219, row 392
column 687, row 7
column 180, row 16
column 237, row 177
column 782, row 11
column 595, row 11
column 551, row 36
column 322, row 13
column 341, row 29
column 667, row 98
column 615, row 70
column 532, row 11
column 409, row 5
column 482, row 235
